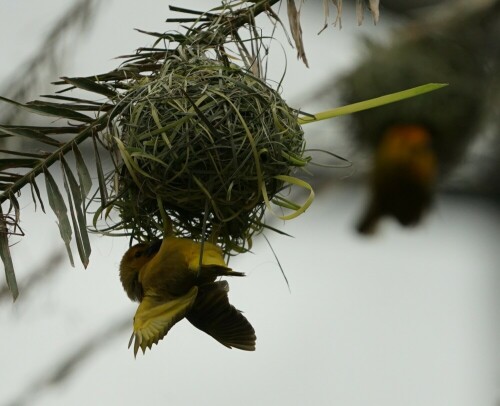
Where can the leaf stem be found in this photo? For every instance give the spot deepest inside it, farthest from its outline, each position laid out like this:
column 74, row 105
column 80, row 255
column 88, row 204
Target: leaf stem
column 54, row 157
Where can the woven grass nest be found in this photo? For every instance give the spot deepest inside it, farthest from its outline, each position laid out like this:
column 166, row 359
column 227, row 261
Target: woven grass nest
column 205, row 145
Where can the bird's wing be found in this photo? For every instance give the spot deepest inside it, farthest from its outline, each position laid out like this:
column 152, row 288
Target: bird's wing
column 213, row 314
column 155, row 317
column 212, row 256
column 212, row 264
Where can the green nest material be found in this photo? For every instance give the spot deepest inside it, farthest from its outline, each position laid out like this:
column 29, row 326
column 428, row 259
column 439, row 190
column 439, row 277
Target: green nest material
column 202, row 144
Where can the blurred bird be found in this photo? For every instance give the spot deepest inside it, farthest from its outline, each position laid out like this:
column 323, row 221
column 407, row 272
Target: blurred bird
column 402, row 179
column 439, row 126
column 171, row 282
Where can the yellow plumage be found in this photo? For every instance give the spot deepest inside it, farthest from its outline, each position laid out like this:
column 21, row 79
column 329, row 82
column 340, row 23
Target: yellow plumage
column 172, row 279
column 404, row 173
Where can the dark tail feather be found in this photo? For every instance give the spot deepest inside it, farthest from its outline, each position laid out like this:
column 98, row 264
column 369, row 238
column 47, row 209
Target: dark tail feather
column 213, row 314
column 368, row 223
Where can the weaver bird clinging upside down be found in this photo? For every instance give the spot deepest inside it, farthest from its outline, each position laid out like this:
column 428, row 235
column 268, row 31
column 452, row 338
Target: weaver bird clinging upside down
column 170, row 282
column 403, row 177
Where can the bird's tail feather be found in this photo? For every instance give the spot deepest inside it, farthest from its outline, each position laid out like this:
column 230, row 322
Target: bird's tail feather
column 213, row 314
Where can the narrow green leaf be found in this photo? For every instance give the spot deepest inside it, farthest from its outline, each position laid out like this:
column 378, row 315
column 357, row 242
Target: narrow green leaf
column 153, row 34
column 90, row 85
column 80, row 222
column 9, row 177
column 70, row 106
column 58, row 206
column 10, row 274
column 371, row 103
column 14, row 203
column 73, row 129
column 43, row 155
column 83, row 173
column 73, row 99
column 36, row 191
column 100, row 175
column 79, row 242
column 51, row 111
column 8, row 163
column 113, row 76
column 59, row 112
column 28, row 133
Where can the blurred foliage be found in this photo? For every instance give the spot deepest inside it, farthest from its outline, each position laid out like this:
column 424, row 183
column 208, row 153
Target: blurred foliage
column 53, row 51
column 458, row 46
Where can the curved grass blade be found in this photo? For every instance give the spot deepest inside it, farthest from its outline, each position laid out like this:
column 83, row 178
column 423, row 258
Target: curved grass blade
column 297, row 209
column 278, row 262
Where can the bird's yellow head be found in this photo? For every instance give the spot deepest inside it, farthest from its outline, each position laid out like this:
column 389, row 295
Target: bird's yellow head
column 132, row 262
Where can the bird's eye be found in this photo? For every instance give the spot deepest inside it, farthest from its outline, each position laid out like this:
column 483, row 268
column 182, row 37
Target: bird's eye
column 137, row 254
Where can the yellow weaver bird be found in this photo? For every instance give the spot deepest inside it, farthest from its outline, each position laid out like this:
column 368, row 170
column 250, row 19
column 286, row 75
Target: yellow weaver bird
column 403, row 177
column 170, row 282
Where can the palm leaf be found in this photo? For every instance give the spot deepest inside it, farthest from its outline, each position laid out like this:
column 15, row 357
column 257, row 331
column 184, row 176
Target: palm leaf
column 76, row 199
column 10, row 275
column 82, row 119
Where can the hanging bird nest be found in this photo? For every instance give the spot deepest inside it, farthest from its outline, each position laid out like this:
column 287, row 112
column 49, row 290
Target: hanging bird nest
column 204, row 145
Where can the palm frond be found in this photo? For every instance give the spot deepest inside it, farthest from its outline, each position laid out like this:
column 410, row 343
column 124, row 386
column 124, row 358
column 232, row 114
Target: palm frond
column 210, row 47
column 90, row 119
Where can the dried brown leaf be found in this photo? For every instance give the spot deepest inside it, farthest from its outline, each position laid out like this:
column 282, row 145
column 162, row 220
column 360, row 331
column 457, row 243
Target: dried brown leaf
column 296, row 30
